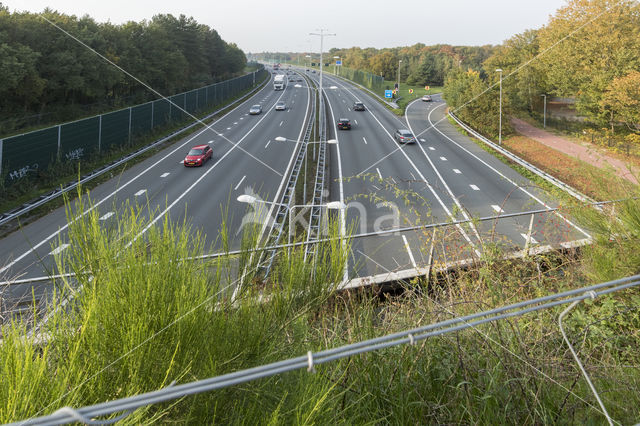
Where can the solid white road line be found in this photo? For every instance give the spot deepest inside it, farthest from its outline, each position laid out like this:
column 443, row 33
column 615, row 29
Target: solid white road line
column 531, row 240
column 106, row 215
column 365, row 140
column 497, row 208
column 379, row 174
column 406, row 245
column 457, row 171
column 239, row 183
column 139, row 193
column 59, row 249
column 475, row 188
column 165, row 174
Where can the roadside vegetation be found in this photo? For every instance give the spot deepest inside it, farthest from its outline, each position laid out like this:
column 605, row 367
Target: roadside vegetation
column 141, row 318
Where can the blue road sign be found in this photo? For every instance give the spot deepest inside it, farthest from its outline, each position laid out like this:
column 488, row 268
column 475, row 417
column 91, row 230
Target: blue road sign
column 338, row 62
column 388, row 93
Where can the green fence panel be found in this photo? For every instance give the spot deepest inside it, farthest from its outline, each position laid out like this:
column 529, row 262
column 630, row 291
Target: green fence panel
column 141, row 116
column 79, row 139
column 177, row 105
column 191, row 101
column 202, row 98
column 161, row 112
column 114, row 130
column 25, row 154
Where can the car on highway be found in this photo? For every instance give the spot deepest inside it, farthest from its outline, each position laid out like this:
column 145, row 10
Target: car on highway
column 198, row 155
column 426, row 98
column 358, row 106
column 281, row 106
column 344, row 124
column 255, row 109
column 404, row 136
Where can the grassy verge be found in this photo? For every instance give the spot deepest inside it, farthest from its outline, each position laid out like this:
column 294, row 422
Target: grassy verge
column 60, row 174
column 136, row 327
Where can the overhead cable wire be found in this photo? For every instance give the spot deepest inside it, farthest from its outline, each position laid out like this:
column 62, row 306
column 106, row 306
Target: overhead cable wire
column 311, row 359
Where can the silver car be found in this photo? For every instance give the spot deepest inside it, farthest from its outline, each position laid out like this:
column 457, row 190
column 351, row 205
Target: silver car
column 281, row 106
column 255, row 109
column 404, row 136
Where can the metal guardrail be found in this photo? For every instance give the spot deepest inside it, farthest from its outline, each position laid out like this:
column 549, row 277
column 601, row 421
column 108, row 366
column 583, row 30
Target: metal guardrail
column 319, row 185
column 285, row 204
column 546, row 176
column 45, row 198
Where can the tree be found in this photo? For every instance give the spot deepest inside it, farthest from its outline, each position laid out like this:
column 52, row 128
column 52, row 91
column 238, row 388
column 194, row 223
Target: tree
column 585, row 46
column 622, row 98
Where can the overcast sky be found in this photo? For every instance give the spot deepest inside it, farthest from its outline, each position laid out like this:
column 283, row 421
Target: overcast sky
column 280, row 25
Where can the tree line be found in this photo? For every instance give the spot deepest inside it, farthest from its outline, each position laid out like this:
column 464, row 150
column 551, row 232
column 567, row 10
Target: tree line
column 46, row 73
column 589, row 51
column 421, row 64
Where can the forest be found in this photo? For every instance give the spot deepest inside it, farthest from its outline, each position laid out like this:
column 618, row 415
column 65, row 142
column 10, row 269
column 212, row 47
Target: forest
column 48, row 76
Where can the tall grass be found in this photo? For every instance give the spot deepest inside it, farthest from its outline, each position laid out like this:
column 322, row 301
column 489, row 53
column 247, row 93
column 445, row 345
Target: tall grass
column 141, row 318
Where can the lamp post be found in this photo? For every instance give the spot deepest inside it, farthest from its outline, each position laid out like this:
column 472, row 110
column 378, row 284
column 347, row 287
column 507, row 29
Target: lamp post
column 399, row 62
column 544, row 112
column 283, row 139
column 322, row 35
column 500, row 128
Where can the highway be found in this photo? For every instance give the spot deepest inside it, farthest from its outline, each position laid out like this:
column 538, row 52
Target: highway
column 246, row 159
column 444, row 175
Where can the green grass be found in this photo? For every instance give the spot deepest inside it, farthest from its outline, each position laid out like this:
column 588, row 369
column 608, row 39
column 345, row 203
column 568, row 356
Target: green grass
column 144, row 319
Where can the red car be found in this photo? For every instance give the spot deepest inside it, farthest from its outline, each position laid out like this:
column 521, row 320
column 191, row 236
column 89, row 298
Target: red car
column 198, row 155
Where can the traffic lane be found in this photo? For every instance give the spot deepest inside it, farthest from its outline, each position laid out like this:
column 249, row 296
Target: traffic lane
column 484, row 189
column 36, row 239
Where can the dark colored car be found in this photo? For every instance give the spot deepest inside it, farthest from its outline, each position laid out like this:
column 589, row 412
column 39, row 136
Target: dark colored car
column 404, row 136
column 426, row 98
column 358, row 106
column 344, row 124
column 198, row 155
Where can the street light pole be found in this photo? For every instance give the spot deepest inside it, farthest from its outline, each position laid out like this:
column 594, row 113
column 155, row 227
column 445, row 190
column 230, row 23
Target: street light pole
column 399, row 62
column 500, row 128
column 322, row 35
column 544, row 112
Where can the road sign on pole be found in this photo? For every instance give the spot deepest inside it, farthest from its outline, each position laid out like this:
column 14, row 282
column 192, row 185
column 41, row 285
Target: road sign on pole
column 388, row 94
column 410, row 91
column 338, row 62
column 426, row 87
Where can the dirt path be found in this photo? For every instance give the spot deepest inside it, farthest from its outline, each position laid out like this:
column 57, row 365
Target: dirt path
column 588, row 154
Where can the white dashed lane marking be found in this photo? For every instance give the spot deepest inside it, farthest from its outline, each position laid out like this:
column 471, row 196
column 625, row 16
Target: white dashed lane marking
column 228, row 128
column 475, row 188
column 355, row 121
column 59, row 249
column 139, row 193
column 443, row 158
column 457, row 171
column 268, row 142
column 532, row 240
column 281, row 123
column 235, row 122
column 164, row 174
column 365, row 141
column 210, row 142
column 379, row 174
column 497, row 208
column 106, row 216
column 239, row 183
column 432, row 148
